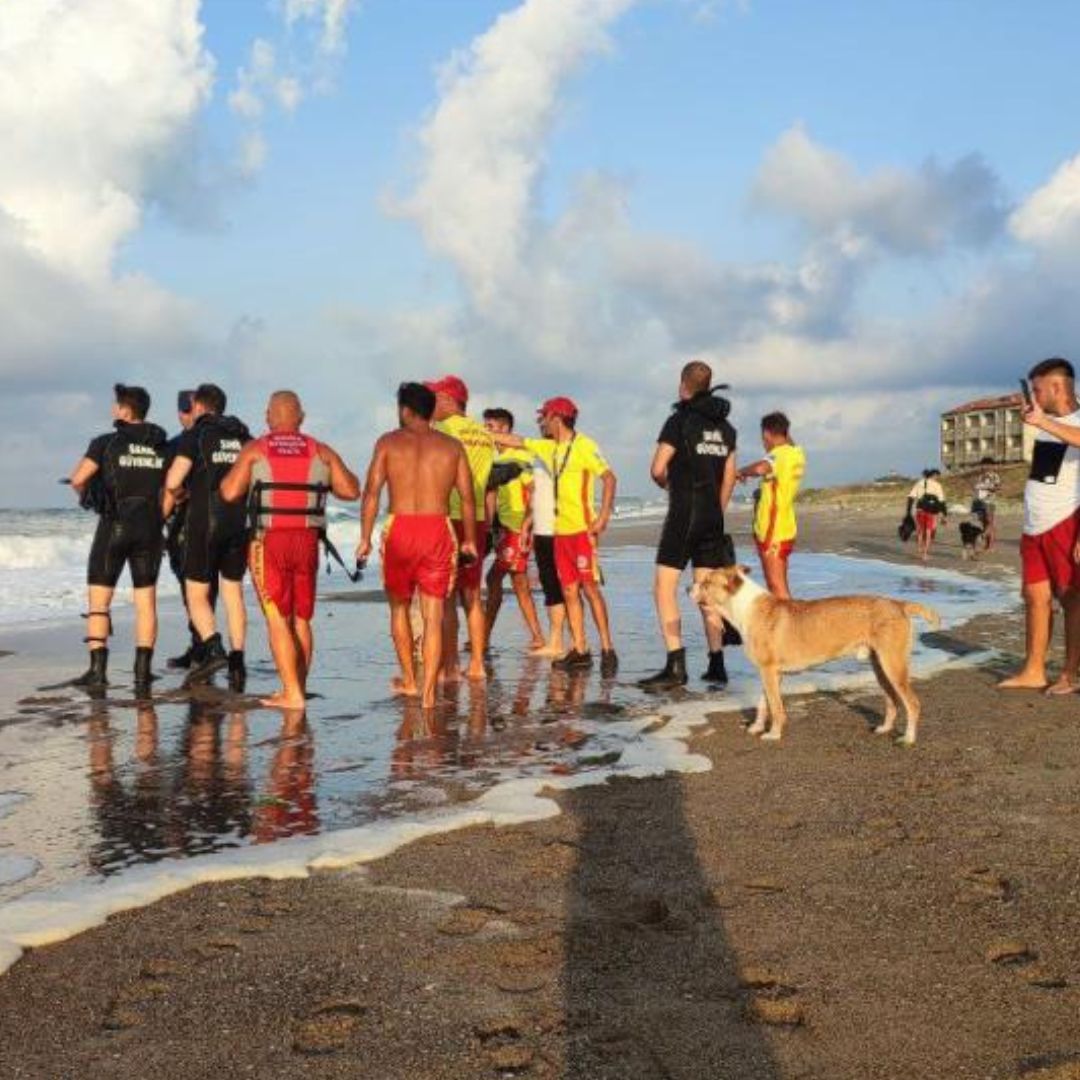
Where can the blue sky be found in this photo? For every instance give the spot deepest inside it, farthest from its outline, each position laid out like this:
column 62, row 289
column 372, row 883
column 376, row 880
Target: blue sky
column 858, row 212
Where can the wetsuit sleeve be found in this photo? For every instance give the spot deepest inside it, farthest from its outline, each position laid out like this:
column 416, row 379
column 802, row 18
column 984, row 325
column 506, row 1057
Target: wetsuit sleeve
column 732, row 437
column 96, row 450
column 670, row 432
column 187, row 446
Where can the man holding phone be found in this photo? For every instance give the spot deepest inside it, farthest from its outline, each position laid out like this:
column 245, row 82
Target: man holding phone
column 1050, row 545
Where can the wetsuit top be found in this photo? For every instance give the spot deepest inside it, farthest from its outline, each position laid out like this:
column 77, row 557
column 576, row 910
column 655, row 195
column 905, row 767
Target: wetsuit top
column 212, row 444
column 573, row 466
column 131, row 463
column 774, row 518
column 480, row 450
column 703, row 440
column 513, row 496
column 290, row 483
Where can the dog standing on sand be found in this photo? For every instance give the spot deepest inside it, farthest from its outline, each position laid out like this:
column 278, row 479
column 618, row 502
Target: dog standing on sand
column 789, row 635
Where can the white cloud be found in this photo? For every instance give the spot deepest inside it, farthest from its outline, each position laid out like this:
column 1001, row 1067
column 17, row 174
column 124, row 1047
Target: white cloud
column 906, row 212
column 1050, row 216
column 331, row 16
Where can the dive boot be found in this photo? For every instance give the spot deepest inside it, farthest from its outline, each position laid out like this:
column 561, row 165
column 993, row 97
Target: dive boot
column 237, row 671
column 184, row 660
column 609, row 663
column 671, row 676
column 209, row 656
column 143, row 675
column 731, row 635
column 94, row 677
column 573, row 661
column 716, row 672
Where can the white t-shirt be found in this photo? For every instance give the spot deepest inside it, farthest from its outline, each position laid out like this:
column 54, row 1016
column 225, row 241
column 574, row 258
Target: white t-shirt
column 926, row 487
column 1052, row 493
column 543, row 499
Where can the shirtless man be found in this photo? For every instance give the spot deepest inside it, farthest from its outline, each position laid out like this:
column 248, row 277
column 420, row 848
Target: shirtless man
column 419, row 550
column 290, row 475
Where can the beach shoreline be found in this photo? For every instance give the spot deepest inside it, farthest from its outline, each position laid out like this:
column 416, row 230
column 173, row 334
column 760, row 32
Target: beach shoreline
column 771, row 903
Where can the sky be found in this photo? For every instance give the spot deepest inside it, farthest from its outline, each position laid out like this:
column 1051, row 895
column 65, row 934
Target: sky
column 861, row 214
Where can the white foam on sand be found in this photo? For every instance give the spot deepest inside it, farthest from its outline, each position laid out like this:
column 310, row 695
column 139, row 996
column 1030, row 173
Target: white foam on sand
column 656, row 744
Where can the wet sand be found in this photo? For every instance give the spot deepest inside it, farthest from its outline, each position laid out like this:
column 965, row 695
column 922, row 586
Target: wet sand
column 832, row 907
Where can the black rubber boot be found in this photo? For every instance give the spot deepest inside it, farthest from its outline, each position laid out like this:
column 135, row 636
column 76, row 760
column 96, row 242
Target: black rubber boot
column 143, row 675
column 731, row 635
column 716, row 673
column 671, row 676
column 209, row 656
column 95, row 675
column 184, row 660
column 573, row 661
column 237, row 671
column 609, row 663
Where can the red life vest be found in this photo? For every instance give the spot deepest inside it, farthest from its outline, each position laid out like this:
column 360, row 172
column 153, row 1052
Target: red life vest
column 290, row 483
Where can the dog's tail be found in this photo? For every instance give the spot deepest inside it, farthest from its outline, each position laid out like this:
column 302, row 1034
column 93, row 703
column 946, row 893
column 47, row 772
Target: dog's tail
column 921, row 611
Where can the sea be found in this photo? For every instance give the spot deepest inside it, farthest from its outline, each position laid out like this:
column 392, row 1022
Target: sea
column 109, row 803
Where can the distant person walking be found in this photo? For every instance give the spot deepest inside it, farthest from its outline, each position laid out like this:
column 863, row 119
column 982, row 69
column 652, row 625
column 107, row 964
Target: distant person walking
column 1050, row 545
column 984, row 504
column 694, row 461
column 781, row 472
column 927, row 498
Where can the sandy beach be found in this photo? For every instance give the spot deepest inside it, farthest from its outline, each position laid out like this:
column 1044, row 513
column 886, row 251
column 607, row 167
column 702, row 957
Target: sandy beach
column 830, row 907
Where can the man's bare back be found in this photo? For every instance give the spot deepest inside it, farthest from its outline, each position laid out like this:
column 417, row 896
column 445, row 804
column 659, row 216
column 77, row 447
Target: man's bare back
column 421, row 469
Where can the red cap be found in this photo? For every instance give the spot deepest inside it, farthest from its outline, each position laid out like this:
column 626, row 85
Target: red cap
column 452, row 386
column 562, row 407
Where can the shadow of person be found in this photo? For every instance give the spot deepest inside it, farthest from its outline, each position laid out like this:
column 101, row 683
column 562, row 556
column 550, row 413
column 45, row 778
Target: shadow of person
column 651, row 980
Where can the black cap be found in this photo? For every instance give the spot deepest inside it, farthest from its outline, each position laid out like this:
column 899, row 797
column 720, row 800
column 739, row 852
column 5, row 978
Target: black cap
column 185, row 400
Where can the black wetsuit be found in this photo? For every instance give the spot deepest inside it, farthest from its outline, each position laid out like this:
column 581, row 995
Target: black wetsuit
column 175, row 527
column 703, row 440
column 215, row 532
column 131, row 463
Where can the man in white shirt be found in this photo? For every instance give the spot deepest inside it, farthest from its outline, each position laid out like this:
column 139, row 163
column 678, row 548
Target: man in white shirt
column 1050, row 546
column 927, row 498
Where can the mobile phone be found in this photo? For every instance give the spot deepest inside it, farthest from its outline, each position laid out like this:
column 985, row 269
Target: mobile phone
column 1026, row 391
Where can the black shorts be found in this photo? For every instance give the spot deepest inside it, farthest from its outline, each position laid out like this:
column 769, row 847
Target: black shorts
column 208, row 553
column 544, row 546
column 703, row 544
column 125, row 541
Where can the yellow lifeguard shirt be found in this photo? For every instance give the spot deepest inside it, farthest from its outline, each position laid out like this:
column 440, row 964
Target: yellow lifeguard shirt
column 512, row 501
column 479, row 449
column 774, row 521
column 574, row 467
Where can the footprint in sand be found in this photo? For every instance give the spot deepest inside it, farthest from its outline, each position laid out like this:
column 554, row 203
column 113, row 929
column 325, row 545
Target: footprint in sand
column 328, row 1026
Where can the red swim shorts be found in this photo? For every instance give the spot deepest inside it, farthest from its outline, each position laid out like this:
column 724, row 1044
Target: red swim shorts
column 926, row 523
column 1048, row 556
column 511, row 555
column 576, row 559
column 783, row 549
column 418, row 552
column 284, row 568
column 472, row 576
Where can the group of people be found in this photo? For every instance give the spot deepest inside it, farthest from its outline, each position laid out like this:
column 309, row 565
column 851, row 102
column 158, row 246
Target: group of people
column 927, row 509
column 223, row 504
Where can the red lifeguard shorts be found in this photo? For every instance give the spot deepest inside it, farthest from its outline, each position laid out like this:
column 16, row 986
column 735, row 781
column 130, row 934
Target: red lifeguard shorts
column 418, row 552
column 926, row 523
column 1048, row 556
column 511, row 556
column 471, row 576
column 284, row 567
column 576, row 559
column 783, row 549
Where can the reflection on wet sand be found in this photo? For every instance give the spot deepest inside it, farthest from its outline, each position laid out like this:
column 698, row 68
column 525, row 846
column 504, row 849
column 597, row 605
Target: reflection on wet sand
column 199, row 798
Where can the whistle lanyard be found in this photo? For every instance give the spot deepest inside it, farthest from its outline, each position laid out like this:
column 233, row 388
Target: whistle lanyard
column 558, row 469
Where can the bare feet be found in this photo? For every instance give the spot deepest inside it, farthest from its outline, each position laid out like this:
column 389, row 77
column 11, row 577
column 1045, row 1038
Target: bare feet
column 280, row 700
column 1063, row 686
column 476, row 673
column 449, row 675
column 1024, row 680
column 405, row 689
column 536, row 646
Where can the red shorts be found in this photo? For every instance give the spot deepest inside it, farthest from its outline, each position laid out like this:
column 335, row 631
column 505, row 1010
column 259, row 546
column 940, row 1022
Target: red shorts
column 784, row 548
column 472, row 576
column 418, row 552
column 926, row 523
column 511, row 556
column 1049, row 556
column 576, row 559
column 284, row 568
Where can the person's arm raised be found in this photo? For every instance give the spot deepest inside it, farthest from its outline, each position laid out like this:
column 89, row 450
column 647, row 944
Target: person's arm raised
column 1035, row 416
